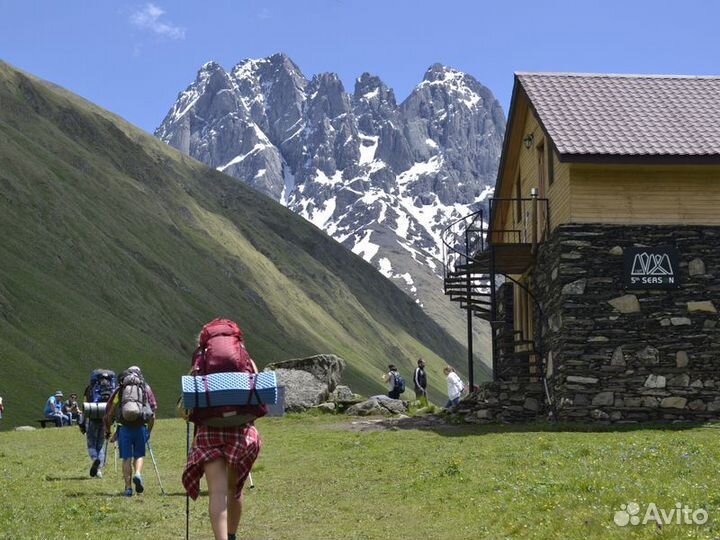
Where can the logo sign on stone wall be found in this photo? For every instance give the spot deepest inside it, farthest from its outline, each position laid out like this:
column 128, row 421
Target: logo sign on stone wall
column 652, row 268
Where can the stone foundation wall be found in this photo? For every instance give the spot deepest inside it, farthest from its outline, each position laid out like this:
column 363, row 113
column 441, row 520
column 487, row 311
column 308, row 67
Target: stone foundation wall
column 504, row 402
column 622, row 355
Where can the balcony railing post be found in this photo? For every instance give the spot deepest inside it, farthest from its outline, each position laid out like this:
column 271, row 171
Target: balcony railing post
column 534, row 195
column 468, row 290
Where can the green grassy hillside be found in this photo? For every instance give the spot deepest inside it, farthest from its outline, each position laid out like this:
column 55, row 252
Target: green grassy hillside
column 116, row 248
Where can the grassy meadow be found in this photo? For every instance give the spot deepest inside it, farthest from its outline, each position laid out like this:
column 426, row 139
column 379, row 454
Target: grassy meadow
column 335, row 478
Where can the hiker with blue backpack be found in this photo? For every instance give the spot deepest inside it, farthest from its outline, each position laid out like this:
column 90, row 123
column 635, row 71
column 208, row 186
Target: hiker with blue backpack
column 395, row 382
column 132, row 406
column 97, row 393
column 226, row 442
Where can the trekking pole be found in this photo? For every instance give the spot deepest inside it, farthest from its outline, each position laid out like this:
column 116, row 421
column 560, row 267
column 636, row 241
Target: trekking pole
column 152, row 455
column 104, row 453
column 252, row 484
column 115, row 454
column 187, row 495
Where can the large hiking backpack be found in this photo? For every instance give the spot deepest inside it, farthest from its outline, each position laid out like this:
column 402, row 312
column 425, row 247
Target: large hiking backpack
column 102, row 384
column 133, row 407
column 221, row 350
column 398, row 383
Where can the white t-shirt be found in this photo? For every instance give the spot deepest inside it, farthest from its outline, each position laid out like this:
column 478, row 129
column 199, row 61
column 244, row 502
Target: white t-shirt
column 455, row 386
column 390, row 375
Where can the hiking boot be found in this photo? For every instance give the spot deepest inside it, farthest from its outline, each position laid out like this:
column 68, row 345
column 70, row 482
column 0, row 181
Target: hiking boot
column 128, row 492
column 138, row 481
column 94, row 467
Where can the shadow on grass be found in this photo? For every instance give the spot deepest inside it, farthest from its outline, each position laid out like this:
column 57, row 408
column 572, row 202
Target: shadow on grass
column 445, row 427
column 65, row 478
column 79, row 494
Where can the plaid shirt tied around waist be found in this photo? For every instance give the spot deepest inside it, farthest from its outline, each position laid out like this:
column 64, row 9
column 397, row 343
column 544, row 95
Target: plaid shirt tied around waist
column 239, row 446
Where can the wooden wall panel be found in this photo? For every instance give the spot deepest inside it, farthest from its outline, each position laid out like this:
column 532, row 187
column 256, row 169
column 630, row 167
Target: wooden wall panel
column 677, row 194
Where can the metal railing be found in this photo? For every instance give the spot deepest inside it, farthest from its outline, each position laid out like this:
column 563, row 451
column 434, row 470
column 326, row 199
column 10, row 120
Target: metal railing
column 529, row 217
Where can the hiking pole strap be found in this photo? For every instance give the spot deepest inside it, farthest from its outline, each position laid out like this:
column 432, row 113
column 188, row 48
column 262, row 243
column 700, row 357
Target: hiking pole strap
column 254, row 390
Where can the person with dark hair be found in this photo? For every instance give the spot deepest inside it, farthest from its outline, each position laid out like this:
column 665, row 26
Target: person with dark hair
column 420, row 381
column 396, row 384
column 71, row 409
column 132, row 405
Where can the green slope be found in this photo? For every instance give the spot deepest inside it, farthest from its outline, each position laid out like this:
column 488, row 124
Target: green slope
column 116, row 248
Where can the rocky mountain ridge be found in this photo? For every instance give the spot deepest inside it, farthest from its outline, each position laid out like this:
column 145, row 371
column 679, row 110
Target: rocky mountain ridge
column 381, row 178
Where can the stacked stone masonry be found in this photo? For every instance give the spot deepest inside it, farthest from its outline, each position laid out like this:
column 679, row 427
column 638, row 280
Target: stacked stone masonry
column 623, row 355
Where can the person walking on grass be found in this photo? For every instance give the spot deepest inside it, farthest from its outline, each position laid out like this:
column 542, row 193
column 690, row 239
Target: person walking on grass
column 224, row 454
column 2, row 408
column 396, row 384
column 132, row 405
column 420, row 381
column 455, row 387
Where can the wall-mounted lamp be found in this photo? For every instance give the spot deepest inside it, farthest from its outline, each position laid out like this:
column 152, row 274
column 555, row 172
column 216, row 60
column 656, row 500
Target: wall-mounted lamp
column 528, row 140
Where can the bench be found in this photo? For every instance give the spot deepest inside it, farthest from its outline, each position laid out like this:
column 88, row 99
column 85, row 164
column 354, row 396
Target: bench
column 45, row 421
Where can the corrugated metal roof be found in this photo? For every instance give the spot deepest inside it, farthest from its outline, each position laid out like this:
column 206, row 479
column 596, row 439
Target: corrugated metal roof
column 627, row 115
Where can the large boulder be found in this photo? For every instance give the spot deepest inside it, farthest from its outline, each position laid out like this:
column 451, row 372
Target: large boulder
column 302, row 389
column 326, row 368
column 342, row 394
column 378, row 405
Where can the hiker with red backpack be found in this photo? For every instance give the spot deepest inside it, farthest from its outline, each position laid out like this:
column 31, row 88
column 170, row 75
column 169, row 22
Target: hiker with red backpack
column 132, row 406
column 226, row 442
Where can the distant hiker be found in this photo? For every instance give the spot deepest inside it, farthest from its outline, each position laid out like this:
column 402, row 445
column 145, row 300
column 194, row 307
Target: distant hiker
column 96, row 395
column 2, row 408
column 71, row 409
column 54, row 410
column 132, row 406
column 395, row 382
column 226, row 442
column 420, row 381
column 455, row 387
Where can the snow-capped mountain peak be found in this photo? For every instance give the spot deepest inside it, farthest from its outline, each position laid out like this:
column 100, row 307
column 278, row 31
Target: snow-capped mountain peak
column 383, row 179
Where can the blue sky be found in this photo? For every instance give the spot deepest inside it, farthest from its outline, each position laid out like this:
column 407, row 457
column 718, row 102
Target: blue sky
column 134, row 57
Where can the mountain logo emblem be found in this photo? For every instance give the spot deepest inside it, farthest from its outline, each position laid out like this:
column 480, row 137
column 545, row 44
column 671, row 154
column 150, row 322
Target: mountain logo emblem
column 651, row 264
column 651, row 268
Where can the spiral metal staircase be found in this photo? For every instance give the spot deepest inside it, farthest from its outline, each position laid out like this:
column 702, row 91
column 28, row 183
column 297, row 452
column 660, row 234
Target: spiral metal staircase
column 478, row 261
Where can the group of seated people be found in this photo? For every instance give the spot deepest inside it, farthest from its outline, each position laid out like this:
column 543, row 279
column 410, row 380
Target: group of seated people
column 63, row 413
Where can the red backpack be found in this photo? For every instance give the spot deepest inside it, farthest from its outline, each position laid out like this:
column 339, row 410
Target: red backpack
column 221, row 350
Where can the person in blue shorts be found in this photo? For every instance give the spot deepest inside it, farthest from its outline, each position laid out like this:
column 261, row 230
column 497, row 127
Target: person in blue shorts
column 132, row 405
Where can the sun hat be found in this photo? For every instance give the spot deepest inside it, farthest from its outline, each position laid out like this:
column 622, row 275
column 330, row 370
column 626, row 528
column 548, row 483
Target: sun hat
column 58, row 393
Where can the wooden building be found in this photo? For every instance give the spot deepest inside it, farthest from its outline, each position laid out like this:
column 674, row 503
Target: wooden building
column 598, row 263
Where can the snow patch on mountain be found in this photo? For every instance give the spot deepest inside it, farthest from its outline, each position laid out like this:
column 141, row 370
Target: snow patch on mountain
column 382, row 178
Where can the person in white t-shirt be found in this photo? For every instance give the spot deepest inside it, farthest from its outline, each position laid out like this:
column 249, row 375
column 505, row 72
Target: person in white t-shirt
column 455, row 387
